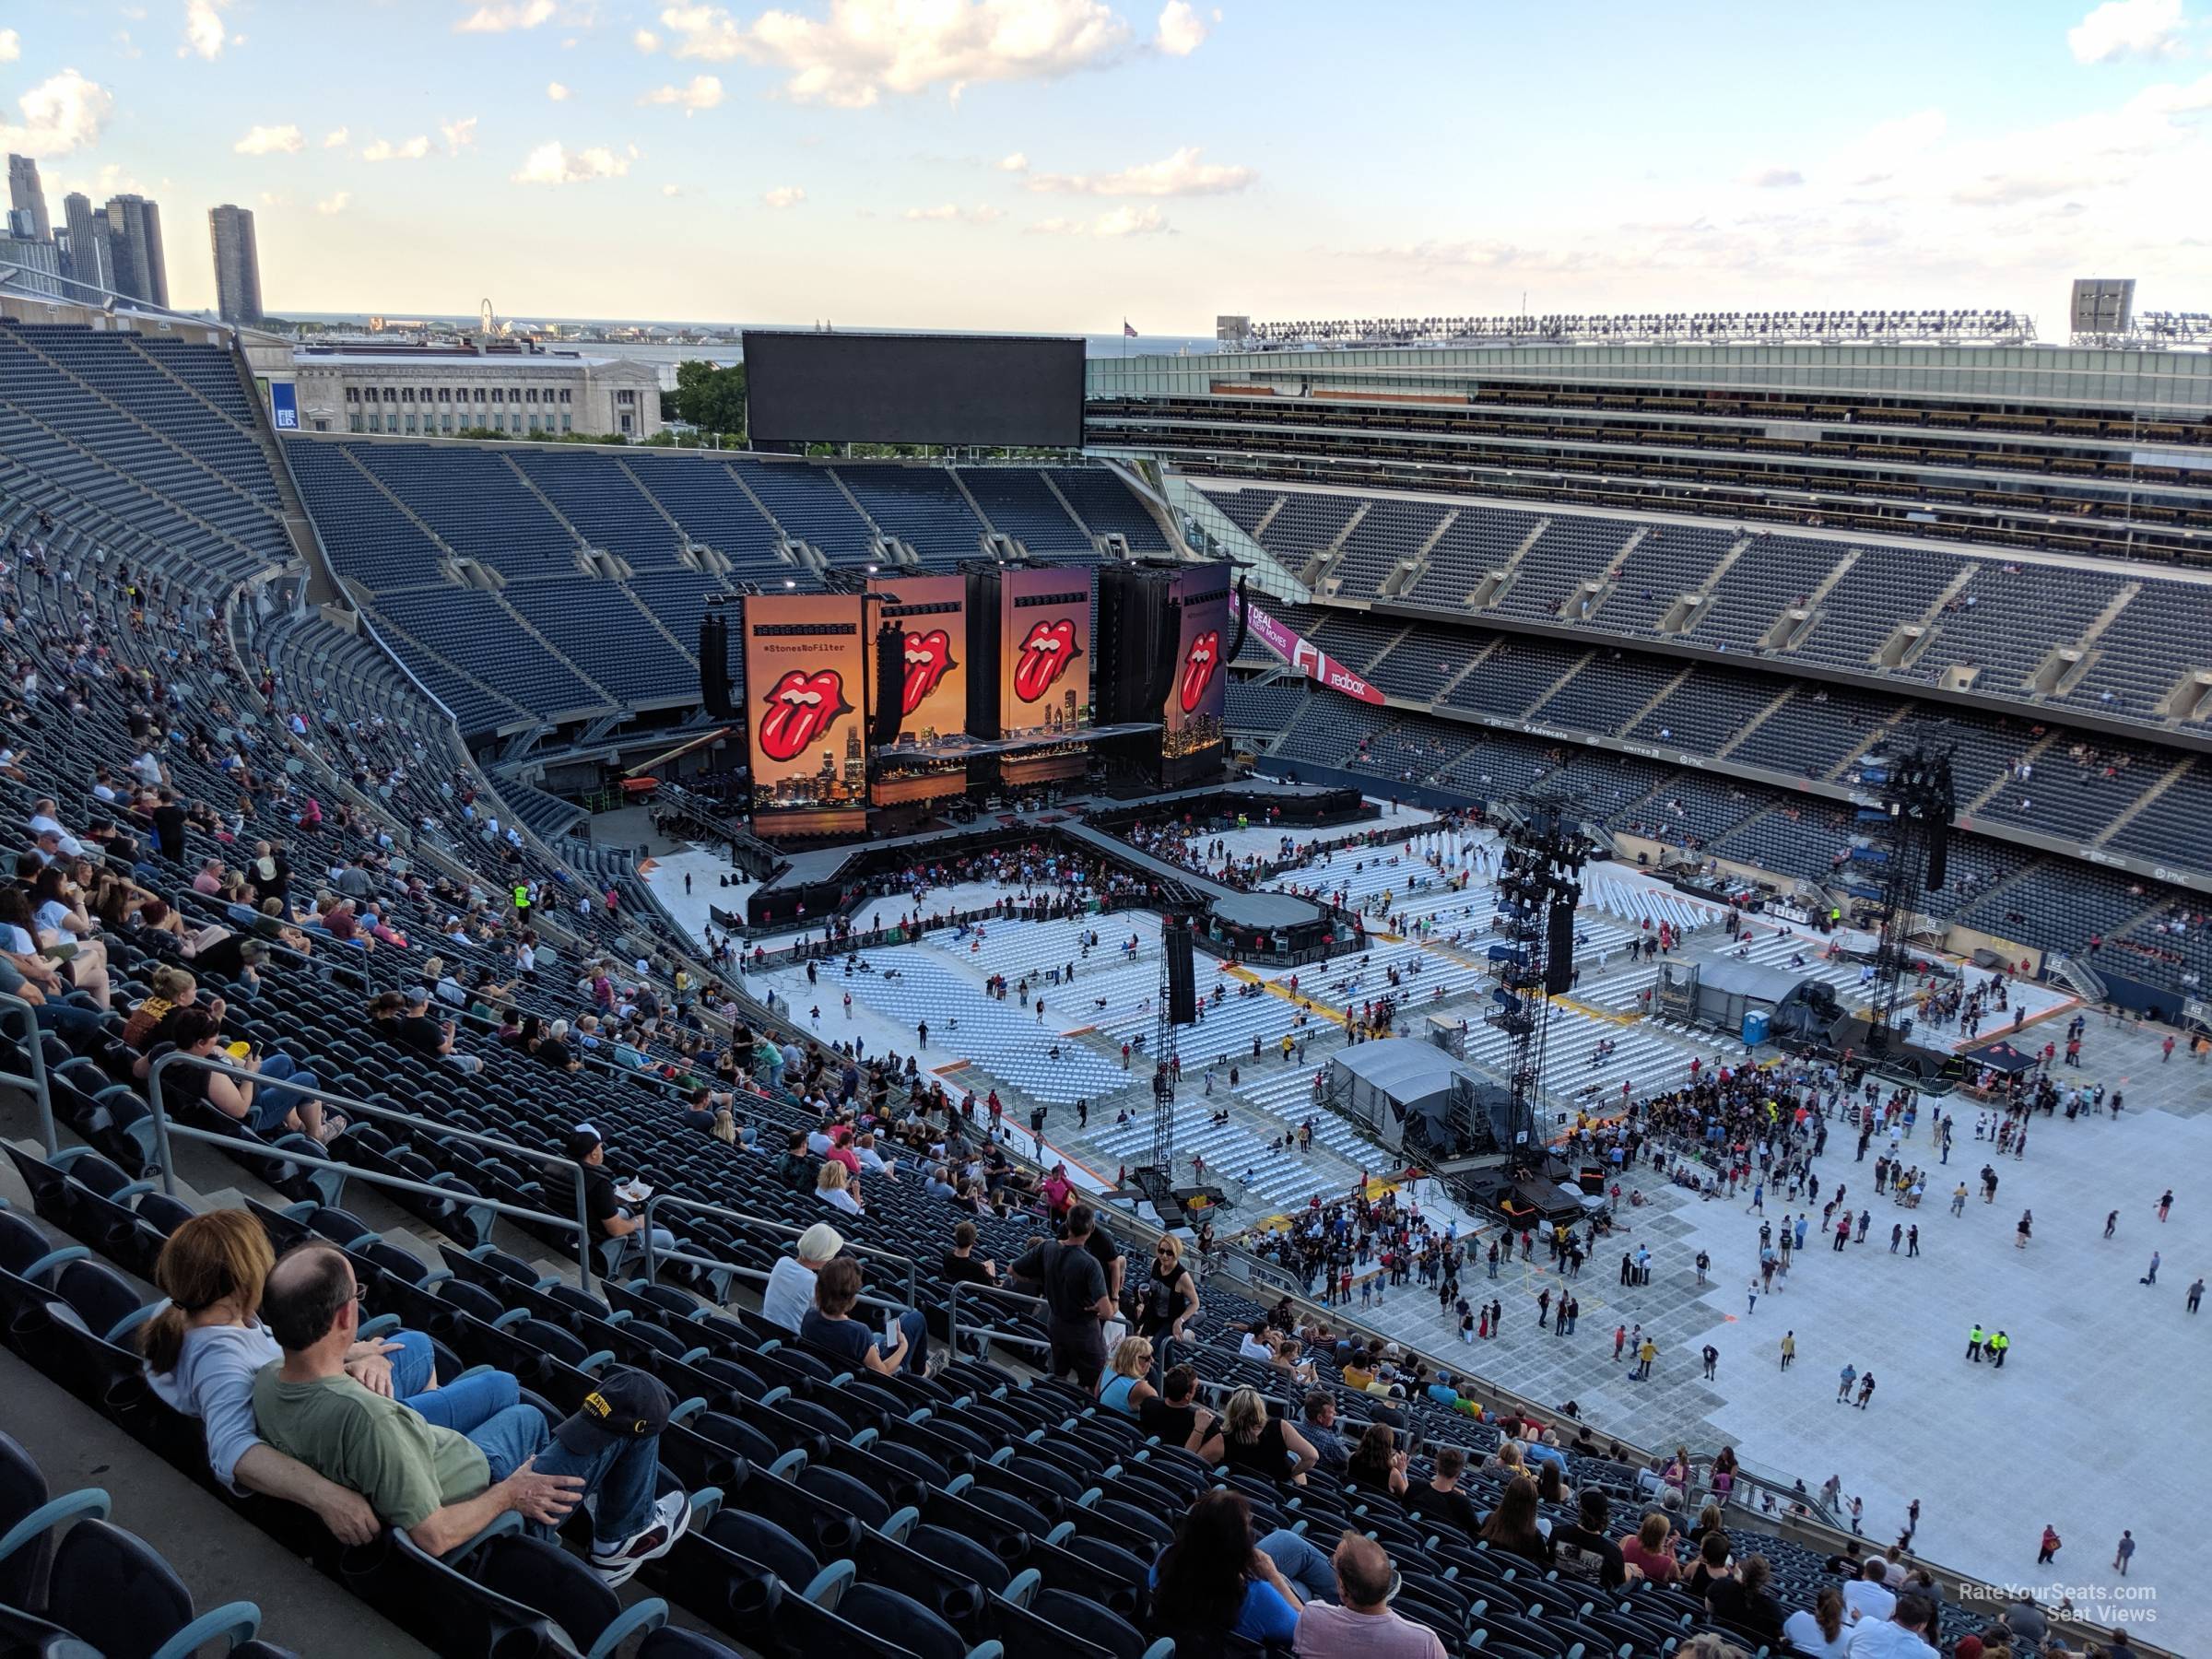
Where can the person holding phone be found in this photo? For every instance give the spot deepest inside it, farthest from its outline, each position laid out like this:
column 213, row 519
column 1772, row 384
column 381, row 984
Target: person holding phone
column 829, row 1326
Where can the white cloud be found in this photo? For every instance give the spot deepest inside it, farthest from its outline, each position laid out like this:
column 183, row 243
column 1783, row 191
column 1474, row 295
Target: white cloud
column 335, row 204
column 1127, row 221
column 645, row 39
column 954, row 214
column 274, row 198
column 672, row 190
column 270, row 140
column 512, row 14
column 1017, row 162
column 459, row 134
column 703, row 93
column 11, row 45
column 2128, row 28
column 383, row 149
column 2170, row 99
column 557, row 93
column 205, row 33
column 335, row 138
column 865, row 48
column 60, row 114
column 1182, row 31
column 1772, row 178
column 1184, row 173
column 554, row 163
column 783, row 195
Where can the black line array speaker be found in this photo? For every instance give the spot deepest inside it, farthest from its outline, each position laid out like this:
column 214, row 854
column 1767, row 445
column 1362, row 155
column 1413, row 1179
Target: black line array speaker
column 1183, row 982
column 1940, row 855
column 890, row 685
column 714, row 663
column 1559, row 951
column 1137, row 639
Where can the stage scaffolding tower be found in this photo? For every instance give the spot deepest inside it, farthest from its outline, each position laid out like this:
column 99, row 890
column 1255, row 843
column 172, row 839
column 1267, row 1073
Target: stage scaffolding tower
column 1901, row 844
column 1539, row 883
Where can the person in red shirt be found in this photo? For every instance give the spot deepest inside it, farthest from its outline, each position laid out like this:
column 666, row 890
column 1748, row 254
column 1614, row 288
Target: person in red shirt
column 1651, row 1549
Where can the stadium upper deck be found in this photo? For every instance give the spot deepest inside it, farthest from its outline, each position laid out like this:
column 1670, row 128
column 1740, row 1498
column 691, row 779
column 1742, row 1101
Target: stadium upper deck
column 2090, row 451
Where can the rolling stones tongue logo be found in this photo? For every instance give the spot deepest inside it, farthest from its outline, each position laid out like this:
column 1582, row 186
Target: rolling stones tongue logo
column 1043, row 658
column 800, row 708
column 928, row 656
column 1198, row 665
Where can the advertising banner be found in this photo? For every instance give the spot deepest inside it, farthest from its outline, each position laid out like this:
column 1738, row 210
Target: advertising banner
column 933, row 613
column 1198, row 694
column 1307, row 658
column 805, row 717
column 1044, row 651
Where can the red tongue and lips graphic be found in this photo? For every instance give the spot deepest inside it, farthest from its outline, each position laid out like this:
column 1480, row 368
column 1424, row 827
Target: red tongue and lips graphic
column 1043, row 658
column 1198, row 665
column 801, row 707
column 927, row 658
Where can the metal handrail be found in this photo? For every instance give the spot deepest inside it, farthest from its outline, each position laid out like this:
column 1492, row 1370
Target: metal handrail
column 699, row 1207
column 36, row 1081
column 428, row 1125
column 403, row 1183
column 1017, row 1337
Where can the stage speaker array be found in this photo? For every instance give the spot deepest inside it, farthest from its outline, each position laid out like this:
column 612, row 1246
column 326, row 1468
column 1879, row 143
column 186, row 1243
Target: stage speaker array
column 1939, row 853
column 890, row 685
column 1558, row 949
column 714, row 663
column 1183, row 983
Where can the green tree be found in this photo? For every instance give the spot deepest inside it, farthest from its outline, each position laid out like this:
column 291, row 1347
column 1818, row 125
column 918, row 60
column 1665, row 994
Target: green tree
column 709, row 397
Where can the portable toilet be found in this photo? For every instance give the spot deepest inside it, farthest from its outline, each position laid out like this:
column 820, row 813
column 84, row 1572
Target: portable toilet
column 1756, row 1021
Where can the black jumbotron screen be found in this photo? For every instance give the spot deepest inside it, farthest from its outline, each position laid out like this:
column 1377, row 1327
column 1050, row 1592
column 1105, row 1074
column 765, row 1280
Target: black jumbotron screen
column 987, row 390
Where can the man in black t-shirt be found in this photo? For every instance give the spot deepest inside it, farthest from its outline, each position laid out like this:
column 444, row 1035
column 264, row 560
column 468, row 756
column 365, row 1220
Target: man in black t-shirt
column 417, row 1030
column 962, row 1265
column 1074, row 1287
column 604, row 1212
column 1174, row 1414
column 1584, row 1551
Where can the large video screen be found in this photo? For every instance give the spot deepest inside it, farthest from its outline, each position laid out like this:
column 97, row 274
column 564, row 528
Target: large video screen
column 1043, row 652
column 805, row 709
column 1198, row 696
column 933, row 613
column 988, row 390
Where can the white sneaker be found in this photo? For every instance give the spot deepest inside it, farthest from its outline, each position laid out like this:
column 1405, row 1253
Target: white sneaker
column 616, row 1564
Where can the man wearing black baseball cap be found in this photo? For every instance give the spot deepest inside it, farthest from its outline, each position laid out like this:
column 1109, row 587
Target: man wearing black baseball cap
column 444, row 1485
column 605, row 1212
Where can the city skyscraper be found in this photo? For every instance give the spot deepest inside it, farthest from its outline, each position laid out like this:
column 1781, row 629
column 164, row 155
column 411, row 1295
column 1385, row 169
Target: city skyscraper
column 91, row 251
column 134, row 243
column 33, row 261
column 26, row 193
column 237, row 263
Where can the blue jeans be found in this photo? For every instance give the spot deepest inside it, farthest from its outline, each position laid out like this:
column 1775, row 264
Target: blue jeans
column 66, row 1020
column 272, row 1105
column 462, row 1404
column 618, row 1474
column 1309, row 1570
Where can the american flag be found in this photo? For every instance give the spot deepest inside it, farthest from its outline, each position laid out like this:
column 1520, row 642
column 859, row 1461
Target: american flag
column 1127, row 332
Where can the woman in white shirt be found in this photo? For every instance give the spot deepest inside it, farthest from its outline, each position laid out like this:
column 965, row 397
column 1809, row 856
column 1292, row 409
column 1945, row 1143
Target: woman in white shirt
column 834, row 1187
column 1823, row 1633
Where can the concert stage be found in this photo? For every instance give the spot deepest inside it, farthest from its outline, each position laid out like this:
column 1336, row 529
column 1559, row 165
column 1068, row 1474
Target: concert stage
column 810, row 887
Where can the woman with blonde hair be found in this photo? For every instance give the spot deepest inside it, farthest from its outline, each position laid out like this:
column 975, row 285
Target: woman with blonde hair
column 205, row 1347
column 1124, row 1388
column 1246, row 1437
column 834, row 1188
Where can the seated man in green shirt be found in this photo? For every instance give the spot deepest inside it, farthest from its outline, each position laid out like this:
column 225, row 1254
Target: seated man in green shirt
column 443, row 1487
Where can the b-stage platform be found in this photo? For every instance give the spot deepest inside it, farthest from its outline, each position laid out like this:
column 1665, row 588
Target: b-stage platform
column 811, row 887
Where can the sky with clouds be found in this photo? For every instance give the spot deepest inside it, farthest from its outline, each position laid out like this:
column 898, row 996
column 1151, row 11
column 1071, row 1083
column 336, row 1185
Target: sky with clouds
column 1061, row 164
